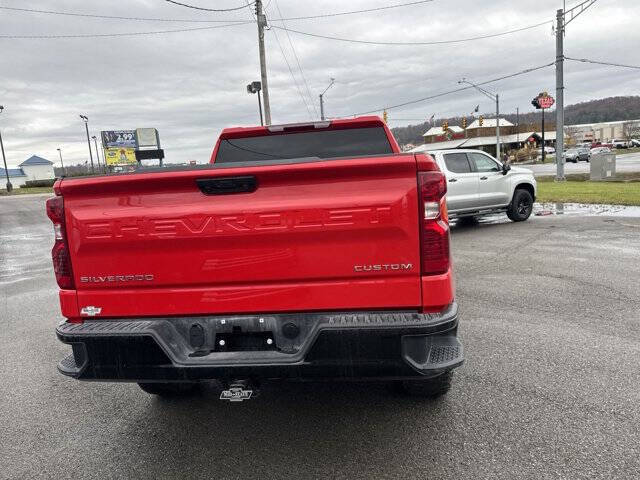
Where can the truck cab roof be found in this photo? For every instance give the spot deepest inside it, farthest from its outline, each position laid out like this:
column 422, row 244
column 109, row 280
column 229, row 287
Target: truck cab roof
column 341, row 123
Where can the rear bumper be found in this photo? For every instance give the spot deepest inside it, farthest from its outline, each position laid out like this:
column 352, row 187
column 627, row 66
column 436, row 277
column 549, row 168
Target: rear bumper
column 305, row 346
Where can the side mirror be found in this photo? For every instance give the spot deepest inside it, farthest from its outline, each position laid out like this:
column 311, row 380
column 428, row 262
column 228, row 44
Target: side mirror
column 505, row 168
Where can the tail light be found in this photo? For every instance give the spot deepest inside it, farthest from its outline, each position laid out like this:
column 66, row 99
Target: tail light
column 60, row 251
column 434, row 234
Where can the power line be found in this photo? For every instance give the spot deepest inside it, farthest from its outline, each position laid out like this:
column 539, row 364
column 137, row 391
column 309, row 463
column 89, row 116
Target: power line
column 295, row 54
column 183, row 20
column 425, row 120
column 124, row 34
column 435, row 42
column 304, row 100
column 585, row 60
column 210, row 9
column 115, row 17
column 353, row 12
column 460, row 89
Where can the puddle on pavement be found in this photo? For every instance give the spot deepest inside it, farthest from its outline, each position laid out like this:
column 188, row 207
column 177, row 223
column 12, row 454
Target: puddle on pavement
column 569, row 209
column 585, row 210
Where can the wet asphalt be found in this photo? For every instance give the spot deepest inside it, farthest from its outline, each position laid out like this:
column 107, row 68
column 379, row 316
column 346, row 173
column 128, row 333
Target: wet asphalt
column 550, row 319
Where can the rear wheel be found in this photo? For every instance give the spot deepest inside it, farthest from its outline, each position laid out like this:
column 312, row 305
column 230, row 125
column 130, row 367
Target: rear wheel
column 521, row 205
column 429, row 387
column 169, row 389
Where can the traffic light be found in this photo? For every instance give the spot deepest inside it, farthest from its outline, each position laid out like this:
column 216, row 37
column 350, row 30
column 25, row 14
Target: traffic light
column 385, row 116
column 480, row 120
column 464, row 122
column 535, row 102
column 445, row 126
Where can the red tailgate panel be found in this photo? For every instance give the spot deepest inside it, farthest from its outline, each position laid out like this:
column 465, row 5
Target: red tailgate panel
column 328, row 235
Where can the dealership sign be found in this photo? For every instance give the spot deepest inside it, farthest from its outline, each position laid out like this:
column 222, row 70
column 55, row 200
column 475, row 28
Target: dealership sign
column 119, row 138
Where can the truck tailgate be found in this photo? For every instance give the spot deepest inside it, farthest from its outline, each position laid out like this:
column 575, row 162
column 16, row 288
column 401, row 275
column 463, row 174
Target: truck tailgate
column 315, row 235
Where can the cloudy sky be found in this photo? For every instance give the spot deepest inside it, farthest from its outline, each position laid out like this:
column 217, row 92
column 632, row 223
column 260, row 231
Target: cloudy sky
column 189, row 85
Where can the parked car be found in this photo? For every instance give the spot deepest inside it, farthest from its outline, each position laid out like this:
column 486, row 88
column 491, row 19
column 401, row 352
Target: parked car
column 635, row 143
column 601, row 144
column 595, row 151
column 547, row 150
column 305, row 251
column 478, row 184
column 617, row 143
column 576, row 155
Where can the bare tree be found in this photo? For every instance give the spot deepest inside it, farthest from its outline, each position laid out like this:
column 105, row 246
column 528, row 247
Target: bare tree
column 631, row 130
column 570, row 136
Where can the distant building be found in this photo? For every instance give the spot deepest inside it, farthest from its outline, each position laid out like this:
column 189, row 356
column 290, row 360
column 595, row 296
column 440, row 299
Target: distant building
column 488, row 124
column 604, row 131
column 437, row 134
column 16, row 177
column 484, row 137
column 33, row 168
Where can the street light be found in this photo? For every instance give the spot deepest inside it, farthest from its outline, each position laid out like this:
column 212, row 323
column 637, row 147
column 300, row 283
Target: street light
column 61, row 163
column 496, row 98
column 4, row 159
column 85, row 119
column 333, row 80
column 95, row 142
column 255, row 87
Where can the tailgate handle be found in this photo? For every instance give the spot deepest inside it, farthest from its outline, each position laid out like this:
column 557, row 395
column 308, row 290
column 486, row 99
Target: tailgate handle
column 227, row 185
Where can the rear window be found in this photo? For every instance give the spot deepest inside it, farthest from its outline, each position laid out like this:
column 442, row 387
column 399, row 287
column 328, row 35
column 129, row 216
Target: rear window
column 317, row 143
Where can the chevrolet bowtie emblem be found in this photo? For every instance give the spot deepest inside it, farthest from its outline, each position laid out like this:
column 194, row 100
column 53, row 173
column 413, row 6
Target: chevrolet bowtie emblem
column 90, row 311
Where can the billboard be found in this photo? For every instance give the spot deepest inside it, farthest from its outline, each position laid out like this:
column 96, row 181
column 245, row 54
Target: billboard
column 147, row 137
column 119, row 138
column 120, row 156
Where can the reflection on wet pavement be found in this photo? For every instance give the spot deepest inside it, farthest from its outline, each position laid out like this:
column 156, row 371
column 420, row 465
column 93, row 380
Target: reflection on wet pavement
column 547, row 209
column 585, row 210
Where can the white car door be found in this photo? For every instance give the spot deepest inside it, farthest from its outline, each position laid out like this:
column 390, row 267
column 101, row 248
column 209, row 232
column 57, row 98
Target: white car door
column 462, row 182
column 494, row 188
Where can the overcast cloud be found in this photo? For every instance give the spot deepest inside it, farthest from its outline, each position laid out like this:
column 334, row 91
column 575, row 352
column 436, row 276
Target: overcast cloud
column 190, row 85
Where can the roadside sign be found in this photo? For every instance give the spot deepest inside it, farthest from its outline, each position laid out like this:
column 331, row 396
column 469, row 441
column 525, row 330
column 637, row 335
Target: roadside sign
column 147, row 137
column 119, row 138
column 120, row 156
column 546, row 101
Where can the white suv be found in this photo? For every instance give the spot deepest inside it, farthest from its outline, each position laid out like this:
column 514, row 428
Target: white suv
column 478, row 184
column 617, row 143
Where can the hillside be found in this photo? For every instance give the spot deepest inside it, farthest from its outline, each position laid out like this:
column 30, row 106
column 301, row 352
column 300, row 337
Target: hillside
column 603, row 110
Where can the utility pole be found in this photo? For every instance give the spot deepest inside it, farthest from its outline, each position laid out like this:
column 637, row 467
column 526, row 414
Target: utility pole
column 322, row 98
column 498, row 128
column 561, row 22
column 4, row 159
column 559, row 98
column 61, row 163
column 518, row 126
column 262, row 22
column 85, row 119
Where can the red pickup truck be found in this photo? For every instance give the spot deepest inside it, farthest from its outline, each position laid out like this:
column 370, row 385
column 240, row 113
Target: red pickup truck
column 306, row 251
